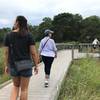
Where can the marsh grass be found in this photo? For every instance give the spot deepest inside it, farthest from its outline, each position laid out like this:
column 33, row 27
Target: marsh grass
column 82, row 81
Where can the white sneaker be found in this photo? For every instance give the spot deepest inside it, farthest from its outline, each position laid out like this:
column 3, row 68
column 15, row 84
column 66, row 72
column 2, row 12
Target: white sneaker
column 46, row 83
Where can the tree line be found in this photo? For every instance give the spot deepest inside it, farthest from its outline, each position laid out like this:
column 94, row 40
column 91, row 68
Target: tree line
column 67, row 27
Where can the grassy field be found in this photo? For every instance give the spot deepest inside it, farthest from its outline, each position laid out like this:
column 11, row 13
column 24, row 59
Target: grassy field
column 4, row 77
column 82, row 81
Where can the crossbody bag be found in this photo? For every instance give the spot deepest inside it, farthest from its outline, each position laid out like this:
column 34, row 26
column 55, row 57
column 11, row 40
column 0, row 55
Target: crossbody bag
column 44, row 46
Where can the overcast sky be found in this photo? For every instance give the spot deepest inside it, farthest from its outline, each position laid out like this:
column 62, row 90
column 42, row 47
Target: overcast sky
column 36, row 10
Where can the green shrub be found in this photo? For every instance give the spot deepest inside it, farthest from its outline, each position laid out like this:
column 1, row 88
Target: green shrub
column 1, row 61
column 4, row 78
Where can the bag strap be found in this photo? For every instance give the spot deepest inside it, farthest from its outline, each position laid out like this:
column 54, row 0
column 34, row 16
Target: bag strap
column 44, row 45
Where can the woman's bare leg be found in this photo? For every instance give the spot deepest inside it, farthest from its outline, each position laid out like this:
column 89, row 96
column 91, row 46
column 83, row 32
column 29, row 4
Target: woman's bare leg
column 15, row 88
column 24, row 88
column 47, row 76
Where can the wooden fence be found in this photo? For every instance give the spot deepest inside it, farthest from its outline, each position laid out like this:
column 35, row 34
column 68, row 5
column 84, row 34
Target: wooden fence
column 82, row 48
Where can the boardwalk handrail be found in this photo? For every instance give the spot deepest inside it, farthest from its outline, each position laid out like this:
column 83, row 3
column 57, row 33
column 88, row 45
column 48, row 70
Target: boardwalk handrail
column 80, row 47
column 66, row 45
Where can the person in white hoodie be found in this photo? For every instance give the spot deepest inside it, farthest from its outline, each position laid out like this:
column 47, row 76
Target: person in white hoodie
column 95, row 43
column 48, row 51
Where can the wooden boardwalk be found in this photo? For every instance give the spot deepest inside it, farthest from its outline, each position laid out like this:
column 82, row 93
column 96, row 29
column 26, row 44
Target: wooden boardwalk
column 37, row 91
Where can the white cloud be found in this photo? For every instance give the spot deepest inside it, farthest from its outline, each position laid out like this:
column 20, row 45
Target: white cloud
column 35, row 10
column 4, row 21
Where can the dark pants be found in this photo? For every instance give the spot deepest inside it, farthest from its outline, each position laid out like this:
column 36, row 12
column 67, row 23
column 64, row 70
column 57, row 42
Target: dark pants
column 48, row 63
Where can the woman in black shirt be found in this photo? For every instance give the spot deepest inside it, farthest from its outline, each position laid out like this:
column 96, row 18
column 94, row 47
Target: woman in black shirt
column 19, row 45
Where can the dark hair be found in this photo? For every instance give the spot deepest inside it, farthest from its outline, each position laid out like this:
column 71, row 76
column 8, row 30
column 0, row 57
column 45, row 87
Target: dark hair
column 46, row 34
column 23, row 27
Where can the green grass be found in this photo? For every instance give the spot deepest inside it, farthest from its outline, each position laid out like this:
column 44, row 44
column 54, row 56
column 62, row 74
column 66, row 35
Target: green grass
column 1, row 61
column 4, row 77
column 82, row 81
column 37, row 45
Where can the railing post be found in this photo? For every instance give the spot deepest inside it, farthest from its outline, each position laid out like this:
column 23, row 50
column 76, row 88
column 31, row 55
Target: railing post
column 72, row 52
column 99, row 51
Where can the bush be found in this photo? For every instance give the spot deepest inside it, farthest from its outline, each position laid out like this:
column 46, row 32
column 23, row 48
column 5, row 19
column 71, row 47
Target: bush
column 1, row 61
column 4, row 78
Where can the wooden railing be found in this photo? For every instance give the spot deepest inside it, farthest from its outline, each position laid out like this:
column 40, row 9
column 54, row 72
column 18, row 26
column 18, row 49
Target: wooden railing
column 82, row 47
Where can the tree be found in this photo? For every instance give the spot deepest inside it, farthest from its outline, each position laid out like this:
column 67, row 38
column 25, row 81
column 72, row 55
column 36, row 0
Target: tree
column 67, row 26
column 90, row 29
column 76, row 27
column 61, row 24
column 3, row 32
column 35, row 31
column 46, row 24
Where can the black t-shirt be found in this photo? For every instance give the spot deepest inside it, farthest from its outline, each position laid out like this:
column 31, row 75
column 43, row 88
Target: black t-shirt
column 18, row 46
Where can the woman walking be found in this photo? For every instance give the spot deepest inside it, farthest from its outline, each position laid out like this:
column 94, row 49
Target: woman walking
column 48, row 51
column 19, row 52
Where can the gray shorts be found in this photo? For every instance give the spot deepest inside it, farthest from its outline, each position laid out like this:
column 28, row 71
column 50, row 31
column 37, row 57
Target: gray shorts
column 23, row 73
